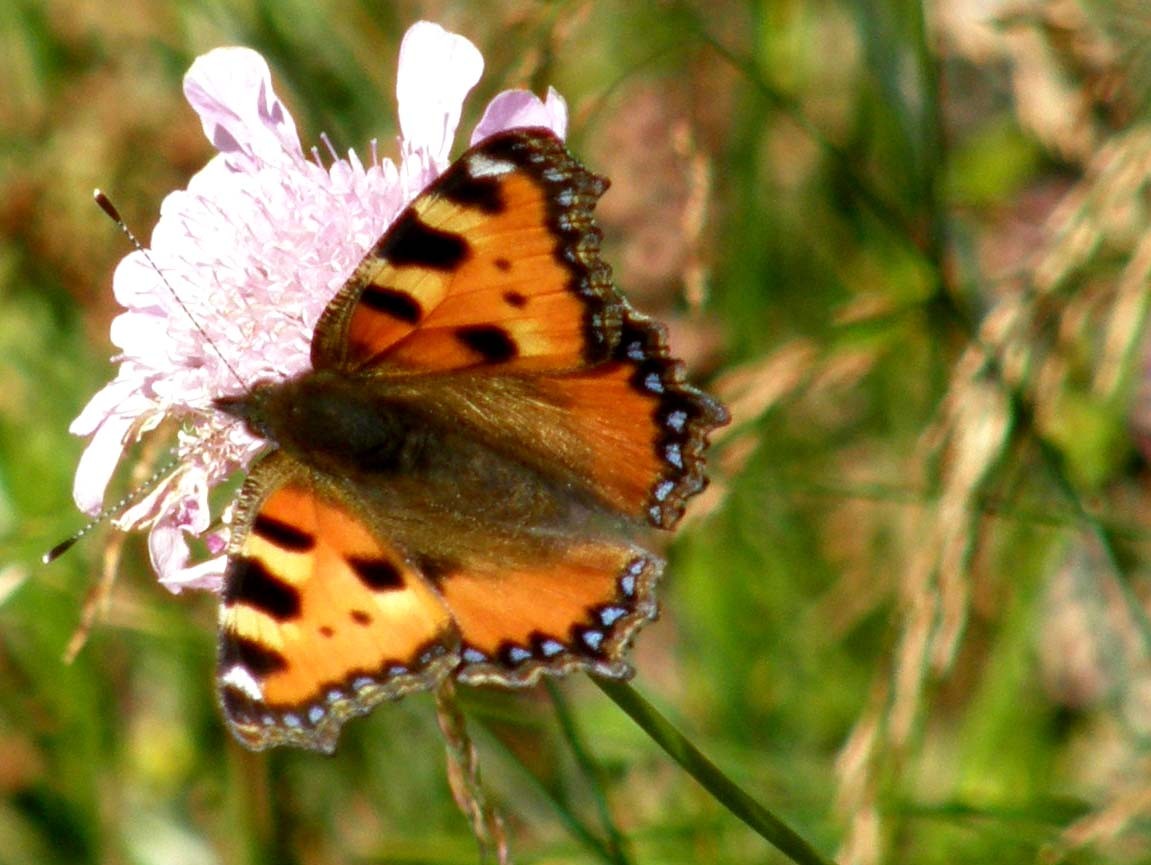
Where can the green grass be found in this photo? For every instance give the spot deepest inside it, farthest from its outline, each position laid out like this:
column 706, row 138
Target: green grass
column 908, row 618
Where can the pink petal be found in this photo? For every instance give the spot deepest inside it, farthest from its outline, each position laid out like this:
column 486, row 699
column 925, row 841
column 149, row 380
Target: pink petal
column 98, row 462
column 231, row 90
column 514, row 109
column 146, row 509
column 167, row 548
column 184, row 512
column 140, row 334
column 106, row 401
column 207, row 575
column 135, row 282
column 437, row 70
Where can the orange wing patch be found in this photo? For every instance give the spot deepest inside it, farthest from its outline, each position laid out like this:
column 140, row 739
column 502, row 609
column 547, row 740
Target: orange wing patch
column 320, row 621
column 630, row 431
column 645, row 427
column 576, row 610
column 497, row 263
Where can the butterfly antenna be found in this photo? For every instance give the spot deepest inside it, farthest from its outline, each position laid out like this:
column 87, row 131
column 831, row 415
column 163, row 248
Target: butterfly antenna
column 113, row 510
column 109, row 208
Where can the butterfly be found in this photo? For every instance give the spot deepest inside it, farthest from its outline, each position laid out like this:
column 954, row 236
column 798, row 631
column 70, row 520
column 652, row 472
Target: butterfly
column 460, row 484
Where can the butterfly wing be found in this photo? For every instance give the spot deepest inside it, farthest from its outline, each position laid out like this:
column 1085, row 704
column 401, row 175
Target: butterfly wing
column 321, row 619
column 487, row 301
column 497, row 262
column 574, row 608
column 532, row 584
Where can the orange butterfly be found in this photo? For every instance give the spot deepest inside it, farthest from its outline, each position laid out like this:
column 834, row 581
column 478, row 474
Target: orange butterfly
column 456, row 486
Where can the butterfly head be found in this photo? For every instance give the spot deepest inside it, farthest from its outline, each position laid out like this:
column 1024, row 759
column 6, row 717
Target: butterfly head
column 255, row 408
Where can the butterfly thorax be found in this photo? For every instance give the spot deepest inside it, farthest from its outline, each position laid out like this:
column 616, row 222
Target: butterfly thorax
column 331, row 421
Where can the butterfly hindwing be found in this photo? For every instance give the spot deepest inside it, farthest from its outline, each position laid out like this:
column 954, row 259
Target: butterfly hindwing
column 531, row 588
column 574, row 609
column 321, row 619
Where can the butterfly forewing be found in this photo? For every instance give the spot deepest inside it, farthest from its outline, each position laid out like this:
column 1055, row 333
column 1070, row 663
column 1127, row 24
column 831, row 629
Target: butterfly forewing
column 497, row 263
column 644, row 427
column 321, row 618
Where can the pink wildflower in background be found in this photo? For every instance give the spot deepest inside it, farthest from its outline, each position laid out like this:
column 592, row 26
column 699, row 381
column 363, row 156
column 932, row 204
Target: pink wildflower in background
column 255, row 247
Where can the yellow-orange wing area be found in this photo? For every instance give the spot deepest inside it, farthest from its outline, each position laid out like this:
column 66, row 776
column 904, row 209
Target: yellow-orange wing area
column 320, row 618
column 577, row 606
column 497, row 262
column 487, row 301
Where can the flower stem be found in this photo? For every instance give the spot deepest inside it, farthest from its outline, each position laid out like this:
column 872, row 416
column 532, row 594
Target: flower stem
column 616, row 844
column 464, row 778
column 727, row 792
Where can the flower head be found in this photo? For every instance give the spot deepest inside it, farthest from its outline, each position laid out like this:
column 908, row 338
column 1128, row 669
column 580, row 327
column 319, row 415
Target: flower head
column 243, row 262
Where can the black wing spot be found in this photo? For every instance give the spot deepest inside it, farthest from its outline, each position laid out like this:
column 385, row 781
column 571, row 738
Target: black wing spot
column 379, row 575
column 410, row 242
column 398, row 304
column 259, row 660
column 282, row 535
column 489, row 340
column 248, row 582
column 326, row 631
column 516, row 299
column 360, row 617
column 504, row 265
column 482, row 193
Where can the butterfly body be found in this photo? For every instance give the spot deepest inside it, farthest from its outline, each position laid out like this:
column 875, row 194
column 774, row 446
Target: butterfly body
column 462, row 482
column 398, row 458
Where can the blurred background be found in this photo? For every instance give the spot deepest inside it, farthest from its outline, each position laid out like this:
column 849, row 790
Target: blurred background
column 907, row 243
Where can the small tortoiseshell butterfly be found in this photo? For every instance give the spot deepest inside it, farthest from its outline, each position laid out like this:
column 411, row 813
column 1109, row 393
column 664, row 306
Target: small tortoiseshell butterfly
column 455, row 487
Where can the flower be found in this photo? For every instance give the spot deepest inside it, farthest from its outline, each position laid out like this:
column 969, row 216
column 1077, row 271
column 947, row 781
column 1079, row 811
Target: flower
column 243, row 262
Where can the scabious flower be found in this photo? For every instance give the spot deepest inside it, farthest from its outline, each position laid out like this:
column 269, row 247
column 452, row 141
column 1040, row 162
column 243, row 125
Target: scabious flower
column 242, row 264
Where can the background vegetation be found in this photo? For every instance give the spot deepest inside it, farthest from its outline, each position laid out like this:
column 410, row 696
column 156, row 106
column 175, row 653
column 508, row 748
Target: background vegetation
column 908, row 243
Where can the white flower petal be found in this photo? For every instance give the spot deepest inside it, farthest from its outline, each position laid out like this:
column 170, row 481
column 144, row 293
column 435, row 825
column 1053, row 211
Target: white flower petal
column 136, row 333
column 231, row 90
column 437, row 70
column 167, row 548
column 146, row 509
column 136, row 282
column 103, row 404
column 98, row 462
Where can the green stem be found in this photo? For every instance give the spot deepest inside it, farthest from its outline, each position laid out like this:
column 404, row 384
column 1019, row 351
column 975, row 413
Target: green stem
column 591, row 770
column 727, row 792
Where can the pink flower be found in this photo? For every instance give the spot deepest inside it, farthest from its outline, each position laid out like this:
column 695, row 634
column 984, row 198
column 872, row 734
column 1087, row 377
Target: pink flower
column 254, row 248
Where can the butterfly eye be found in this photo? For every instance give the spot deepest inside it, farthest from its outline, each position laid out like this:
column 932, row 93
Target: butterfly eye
column 250, row 408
